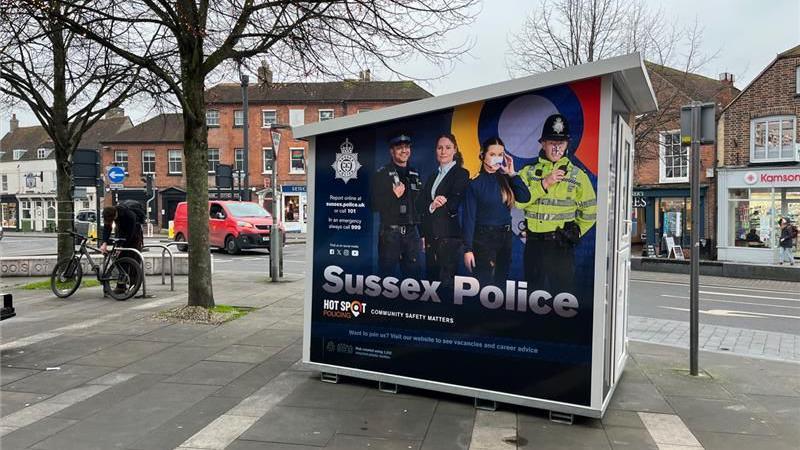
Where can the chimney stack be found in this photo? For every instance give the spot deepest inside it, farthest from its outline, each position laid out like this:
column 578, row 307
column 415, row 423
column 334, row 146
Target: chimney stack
column 364, row 75
column 726, row 77
column 13, row 123
column 264, row 74
column 114, row 113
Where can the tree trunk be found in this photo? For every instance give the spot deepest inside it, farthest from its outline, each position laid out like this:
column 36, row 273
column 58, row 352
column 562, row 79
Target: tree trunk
column 63, row 144
column 196, row 155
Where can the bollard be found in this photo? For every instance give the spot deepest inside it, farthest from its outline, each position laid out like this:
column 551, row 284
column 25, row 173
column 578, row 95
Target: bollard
column 8, row 307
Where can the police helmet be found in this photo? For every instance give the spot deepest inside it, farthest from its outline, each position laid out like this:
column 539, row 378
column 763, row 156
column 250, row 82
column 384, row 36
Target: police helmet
column 399, row 138
column 556, row 128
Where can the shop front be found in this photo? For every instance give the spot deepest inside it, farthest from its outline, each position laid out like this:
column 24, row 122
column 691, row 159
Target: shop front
column 661, row 213
column 751, row 201
column 294, row 208
column 9, row 207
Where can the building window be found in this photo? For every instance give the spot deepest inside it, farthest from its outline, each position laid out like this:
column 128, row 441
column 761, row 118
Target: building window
column 297, row 117
column 238, row 118
column 297, row 162
column 673, row 158
column 4, row 183
column 773, row 139
column 212, row 118
column 268, row 118
column 213, row 160
column 363, row 110
column 148, row 161
column 175, row 162
column 18, row 154
column 797, row 79
column 239, row 160
column 268, row 160
column 753, row 215
column 121, row 159
column 325, row 114
column 42, row 153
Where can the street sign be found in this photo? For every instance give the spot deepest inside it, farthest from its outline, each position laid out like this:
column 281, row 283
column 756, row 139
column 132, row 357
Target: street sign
column 276, row 142
column 115, row 174
column 116, row 185
column 708, row 124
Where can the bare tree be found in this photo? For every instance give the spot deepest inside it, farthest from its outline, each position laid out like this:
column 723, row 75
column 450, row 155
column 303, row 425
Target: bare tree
column 562, row 33
column 69, row 83
column 183, row 42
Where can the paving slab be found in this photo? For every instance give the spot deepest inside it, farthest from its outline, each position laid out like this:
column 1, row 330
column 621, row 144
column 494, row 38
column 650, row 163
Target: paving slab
column 31, row 434
column 722, row 416
column 130, row 420
column 109, row 397
column 544, row 434
column 449, row 432
column 178, row 332
column 245, row 354
column 56, row 381
column 735, row 441
column 171, row 360
column 272, row 338
column 254, row 379
column 210, row 372
column 315, row 394
column 11, row 402
column 348, row 442
column 122, row 354
column 630, row 438
column 293, row 425
column 11, row 374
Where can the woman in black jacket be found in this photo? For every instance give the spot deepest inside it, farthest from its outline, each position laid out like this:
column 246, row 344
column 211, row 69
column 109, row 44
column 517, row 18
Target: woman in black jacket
column 786, row 243
column 439, row 202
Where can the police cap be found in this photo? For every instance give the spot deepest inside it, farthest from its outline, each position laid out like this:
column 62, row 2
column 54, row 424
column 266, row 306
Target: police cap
column 556, row 128
column 399, row 138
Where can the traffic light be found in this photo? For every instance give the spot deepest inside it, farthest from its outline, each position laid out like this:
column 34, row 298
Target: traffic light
column 148, row 185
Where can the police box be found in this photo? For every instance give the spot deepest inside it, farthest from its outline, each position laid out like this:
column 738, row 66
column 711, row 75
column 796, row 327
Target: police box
column 478, row 243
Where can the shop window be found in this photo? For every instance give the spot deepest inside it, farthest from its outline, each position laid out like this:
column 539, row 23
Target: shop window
column 298, row 163
column 213, row 160
column 269, row 117
column 148, row 161
column 121, row 159
column 773, row 139
column 175, row 162
column 4, row 183
column 673, row 158
column 268, row 159
column 212, row 118
column 752, row 216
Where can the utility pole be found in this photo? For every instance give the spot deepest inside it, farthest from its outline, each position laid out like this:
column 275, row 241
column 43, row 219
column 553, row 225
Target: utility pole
column 698, row 126
column 245, row 137
column 274, row 234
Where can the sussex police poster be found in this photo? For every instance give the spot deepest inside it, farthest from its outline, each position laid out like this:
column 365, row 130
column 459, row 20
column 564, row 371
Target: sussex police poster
column 458, row 246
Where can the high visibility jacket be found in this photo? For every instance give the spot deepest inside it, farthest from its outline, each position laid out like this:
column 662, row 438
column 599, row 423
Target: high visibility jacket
column 572, row 199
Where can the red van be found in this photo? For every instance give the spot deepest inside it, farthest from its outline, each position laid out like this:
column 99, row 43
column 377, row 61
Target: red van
column 232, row 226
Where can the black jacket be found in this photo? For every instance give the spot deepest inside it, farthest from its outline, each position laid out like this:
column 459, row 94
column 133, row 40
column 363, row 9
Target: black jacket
column 786, row 240
column 126, row 228
column 393, row 210
column 444, row 221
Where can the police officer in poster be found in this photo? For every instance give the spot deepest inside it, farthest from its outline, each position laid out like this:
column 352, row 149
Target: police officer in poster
column 562, row 208
column 395, row 190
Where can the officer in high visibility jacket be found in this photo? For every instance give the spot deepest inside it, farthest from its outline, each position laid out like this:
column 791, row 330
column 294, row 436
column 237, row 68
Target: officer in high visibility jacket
column 562, row 208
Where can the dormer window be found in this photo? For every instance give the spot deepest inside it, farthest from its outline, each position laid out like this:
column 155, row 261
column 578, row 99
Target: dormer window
column 42, row 153
column 18, row 154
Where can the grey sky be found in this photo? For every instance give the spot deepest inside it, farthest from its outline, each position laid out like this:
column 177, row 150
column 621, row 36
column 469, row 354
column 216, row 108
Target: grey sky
column 747, row 34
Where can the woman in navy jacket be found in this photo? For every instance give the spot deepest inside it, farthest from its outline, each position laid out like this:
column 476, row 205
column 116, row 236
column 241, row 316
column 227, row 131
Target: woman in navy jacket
column 439, row 203
column 487, row 214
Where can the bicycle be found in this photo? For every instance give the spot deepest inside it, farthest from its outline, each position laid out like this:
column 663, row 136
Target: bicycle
column 123, row 270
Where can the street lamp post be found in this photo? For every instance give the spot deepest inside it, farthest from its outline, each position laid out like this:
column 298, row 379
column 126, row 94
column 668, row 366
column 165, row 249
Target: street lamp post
column 245, row 147
column 275, row 247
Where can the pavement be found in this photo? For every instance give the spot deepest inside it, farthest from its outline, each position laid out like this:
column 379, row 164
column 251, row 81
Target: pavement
column 92, row 373
column 291, row 238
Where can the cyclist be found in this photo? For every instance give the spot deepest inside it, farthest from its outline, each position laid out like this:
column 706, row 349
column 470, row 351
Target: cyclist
column 127, row 227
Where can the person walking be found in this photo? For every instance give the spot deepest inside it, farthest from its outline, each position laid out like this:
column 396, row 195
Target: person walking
column 487, row 214
column 395, row 190
column 786, row 241
column 562, row 208
column 439, row 203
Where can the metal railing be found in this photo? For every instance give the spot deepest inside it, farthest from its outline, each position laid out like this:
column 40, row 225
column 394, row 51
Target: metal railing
column 144, row 274
column 165, row 251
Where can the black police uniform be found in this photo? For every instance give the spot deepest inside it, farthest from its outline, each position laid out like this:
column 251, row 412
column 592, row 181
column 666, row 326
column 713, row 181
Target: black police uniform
column 399, row 240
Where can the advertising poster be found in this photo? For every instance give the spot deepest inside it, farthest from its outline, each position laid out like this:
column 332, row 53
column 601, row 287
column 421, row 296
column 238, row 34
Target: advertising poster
column 457, row 272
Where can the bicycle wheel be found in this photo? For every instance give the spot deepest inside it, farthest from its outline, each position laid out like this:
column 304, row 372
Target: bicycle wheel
column 123, row 278
column 66, row 277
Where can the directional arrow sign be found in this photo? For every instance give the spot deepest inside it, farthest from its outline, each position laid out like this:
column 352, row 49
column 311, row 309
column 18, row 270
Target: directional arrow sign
column 115, row 174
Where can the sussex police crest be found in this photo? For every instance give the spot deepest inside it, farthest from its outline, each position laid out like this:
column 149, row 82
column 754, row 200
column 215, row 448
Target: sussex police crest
column 346, row 165
column 558, row 126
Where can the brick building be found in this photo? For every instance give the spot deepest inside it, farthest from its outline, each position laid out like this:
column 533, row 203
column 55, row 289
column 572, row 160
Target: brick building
column 28, row 173
column 759, row 155
column 662, row 199
column 156, row 145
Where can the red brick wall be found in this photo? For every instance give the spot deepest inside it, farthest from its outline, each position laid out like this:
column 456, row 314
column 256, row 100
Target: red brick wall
column 773, row 93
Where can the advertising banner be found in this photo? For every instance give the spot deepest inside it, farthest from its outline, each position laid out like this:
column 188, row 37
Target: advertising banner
column 458, row 246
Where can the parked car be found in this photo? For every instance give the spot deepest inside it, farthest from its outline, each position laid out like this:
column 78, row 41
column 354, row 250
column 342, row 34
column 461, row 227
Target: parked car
column 232, row 226
column 83, row 219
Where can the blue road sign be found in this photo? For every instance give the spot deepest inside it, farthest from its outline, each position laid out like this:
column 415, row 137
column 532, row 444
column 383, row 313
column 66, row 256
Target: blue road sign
column 115, row 174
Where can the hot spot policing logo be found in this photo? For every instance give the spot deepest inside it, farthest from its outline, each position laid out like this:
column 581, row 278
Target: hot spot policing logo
column 340, row 309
